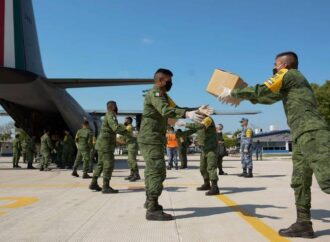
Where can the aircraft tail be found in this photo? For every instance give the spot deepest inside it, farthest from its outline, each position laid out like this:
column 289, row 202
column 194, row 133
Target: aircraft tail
column 19, row 47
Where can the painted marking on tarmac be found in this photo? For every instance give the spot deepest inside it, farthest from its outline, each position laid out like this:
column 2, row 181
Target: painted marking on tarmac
column 18, row 202
column 257, row 224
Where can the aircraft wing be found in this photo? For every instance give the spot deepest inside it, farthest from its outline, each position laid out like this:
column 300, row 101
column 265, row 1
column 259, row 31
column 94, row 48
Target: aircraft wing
column 81, row 82
column 101, row 113
column 3, row 113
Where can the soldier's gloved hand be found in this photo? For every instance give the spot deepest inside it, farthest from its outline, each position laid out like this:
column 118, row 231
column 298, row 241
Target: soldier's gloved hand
column 206, row 110
column 180, row 123
column 195, row 116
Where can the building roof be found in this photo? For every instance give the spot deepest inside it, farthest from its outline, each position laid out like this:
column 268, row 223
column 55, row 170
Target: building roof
column 274, row 136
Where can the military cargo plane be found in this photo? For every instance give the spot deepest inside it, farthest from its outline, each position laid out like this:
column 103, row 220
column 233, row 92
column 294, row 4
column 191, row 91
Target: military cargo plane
column 34, row 101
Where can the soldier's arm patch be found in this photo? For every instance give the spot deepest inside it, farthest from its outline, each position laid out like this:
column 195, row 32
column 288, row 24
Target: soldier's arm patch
column 275, row 82
column 158, row 94
column 207, row 122
column 249, row 133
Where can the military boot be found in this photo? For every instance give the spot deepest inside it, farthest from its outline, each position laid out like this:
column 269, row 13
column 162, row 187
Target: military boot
column 206, row 186
column 47, row 169
column 303, row 229
column 154, row 213
column 75, row 173
column 214, row 189
column 249, row 175
column 158, row 206
column 130, row 175
column 30, row 167
column 135, row 177
column 106, row 187
column 243, row 174
column 86, row 176
column 94, row 186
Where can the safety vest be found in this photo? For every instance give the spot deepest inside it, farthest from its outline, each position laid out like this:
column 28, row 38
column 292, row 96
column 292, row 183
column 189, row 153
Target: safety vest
column 172, row 142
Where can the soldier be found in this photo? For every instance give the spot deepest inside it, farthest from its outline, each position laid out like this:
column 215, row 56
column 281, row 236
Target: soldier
column 246, row 149
column 59, row 152
column 30, row 151
column 209, row 156
column 222, row 149
column 16, row 151
column 184, row 142
column 24, row 148
column 259, row 150
column 93, row 155
column 83, row 139
column 105, row 146
column 158, row 107
column 45, row 150
column 310, row 133
column 132, row 148
column 68, row 150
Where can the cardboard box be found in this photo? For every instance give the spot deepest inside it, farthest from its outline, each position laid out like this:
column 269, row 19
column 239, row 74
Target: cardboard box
column 221, row 79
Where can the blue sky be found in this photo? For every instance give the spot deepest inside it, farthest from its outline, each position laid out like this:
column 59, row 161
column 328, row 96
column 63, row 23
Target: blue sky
column 122, row 38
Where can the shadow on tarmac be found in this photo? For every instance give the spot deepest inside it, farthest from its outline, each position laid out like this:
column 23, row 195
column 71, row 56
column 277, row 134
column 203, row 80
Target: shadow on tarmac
column 269, row 176
column 247, row 210
column 321, row 214
column 230, row 190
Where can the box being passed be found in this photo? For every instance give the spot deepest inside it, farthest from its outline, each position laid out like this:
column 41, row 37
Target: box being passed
column 221, row 79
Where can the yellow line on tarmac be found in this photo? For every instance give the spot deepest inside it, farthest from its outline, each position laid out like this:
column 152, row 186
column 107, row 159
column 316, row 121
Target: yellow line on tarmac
column 257, row 224
column 16, row 202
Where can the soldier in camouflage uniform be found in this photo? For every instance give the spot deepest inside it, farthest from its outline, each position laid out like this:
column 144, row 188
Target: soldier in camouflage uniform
column 24, row 148
column 16, row 151
column 30, row 151
column 207, row 136
column 310, row 133
column 132, row 148
column 222, row 149
column 105, row 146
column 183, row 140
column 45, row 150
column 246, row 149
column 68, row 150
column 83, row 139
column 158, row 107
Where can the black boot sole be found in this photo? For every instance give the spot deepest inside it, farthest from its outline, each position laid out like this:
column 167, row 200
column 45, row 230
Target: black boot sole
column 306, row 235
column 151, row 217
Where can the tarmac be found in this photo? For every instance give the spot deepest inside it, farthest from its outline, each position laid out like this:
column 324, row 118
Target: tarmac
column 54, row 206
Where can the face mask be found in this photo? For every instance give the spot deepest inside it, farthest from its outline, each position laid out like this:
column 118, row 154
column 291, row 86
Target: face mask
column 168, row 86
column 116, row 110
column 125, row 123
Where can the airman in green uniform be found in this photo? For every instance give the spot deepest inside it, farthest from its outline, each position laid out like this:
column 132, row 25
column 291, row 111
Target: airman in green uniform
column 68, row 150
column 184, row 142
column 84, row 143
column 30, row 151
column 132, row 148
column 45, row 150
column 105, row 146
column 158, row 107
column 24, row 148
column 209, row 156
column 311, row 134
column 16, row 151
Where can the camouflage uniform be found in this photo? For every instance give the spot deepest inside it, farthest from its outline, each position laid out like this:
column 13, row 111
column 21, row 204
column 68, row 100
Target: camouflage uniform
column 209, row 157
column 183, row 140
column 132, row 148
column 246, row 149
column 84, row 139
column 24, row 149
column 105, row 146
column 158, row 107
column 221, row 152
column 16, row 151
column 311, row 134
column 45, row 150
column 30, row 151
column 68, row 151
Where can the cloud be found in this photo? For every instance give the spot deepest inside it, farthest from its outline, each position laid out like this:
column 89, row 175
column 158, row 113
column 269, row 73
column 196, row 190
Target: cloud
column 147, row 41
